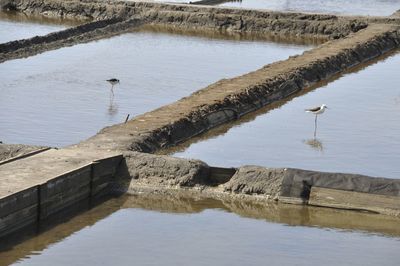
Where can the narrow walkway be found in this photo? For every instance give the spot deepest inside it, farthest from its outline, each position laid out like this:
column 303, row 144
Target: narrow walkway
column 38, row 169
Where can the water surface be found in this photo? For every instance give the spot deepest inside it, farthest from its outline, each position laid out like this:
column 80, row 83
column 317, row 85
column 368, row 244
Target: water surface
column 359, row 134
column 16, row 26
column 61, row 97
column 344, row 7
column 207, row 232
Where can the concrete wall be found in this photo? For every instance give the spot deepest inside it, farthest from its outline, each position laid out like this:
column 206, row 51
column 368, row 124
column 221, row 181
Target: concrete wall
column 36, row 203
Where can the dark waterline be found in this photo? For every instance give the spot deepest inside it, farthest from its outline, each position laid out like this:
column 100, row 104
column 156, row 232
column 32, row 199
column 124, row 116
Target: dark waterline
column 61, row 97
column 360, row 133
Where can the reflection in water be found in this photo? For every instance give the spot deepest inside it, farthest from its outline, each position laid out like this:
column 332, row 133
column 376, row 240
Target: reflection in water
column 315, row 144
column 128, row 229
column 112, row 107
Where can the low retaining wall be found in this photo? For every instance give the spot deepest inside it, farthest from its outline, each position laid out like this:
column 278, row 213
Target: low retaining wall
column 39, row 202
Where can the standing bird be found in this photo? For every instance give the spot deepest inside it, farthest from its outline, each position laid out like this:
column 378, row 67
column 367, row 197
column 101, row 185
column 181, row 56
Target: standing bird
column 317, row 110
column 113, row 82
column 112, row 108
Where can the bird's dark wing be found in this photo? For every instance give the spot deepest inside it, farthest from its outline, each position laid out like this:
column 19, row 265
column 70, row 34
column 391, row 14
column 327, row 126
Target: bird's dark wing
column 314, row 109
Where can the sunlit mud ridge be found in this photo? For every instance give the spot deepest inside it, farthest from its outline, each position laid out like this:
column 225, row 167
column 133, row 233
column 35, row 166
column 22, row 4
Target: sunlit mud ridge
column 120, row 155
column 117, row 17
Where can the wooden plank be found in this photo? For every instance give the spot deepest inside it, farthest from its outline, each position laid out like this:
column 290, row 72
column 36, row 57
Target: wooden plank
column 351, row 200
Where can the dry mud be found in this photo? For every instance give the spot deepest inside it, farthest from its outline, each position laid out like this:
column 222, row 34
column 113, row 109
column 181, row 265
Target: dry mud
column 8, row 151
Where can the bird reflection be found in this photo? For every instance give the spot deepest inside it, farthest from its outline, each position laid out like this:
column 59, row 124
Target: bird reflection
column 112, row 107
column 315, row 144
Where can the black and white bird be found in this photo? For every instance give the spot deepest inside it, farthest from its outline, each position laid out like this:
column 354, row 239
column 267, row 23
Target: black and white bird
column 317, row 111
column 113, row 82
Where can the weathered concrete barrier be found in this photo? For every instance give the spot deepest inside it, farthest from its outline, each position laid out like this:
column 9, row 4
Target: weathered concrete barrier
column 34, row 188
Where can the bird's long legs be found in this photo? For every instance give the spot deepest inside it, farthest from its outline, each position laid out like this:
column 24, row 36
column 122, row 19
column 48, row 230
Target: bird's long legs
column 112, row 90
column 315, row 126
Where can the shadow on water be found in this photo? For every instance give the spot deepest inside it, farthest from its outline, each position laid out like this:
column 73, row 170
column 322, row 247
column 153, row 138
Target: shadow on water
column 315, row 143
column 187, row 203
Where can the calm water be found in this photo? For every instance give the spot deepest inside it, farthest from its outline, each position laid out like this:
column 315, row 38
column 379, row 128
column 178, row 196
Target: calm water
column 16, row 26
column 359, row 134
column 61, row 97
column 346, row 7
column 187, row 232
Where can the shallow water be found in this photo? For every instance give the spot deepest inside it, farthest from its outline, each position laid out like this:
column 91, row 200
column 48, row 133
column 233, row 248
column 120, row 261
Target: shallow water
column 360, row 133
column 208, row 232
column 61, row 97
column 16, row 26
column 345, row 7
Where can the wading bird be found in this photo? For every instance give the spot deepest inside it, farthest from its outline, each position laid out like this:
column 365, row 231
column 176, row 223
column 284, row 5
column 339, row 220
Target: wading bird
column 113, row 82
column 317, row 111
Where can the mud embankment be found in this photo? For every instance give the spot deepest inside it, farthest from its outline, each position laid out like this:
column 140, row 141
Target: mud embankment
column 8, row 151
column 191, row 16
column 116, row 17
column 80, row 34
column 229, row 99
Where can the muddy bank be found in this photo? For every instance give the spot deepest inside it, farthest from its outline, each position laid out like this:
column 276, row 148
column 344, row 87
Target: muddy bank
column 192, row 16
column 228, row 99
column 8, row 151
column 80, row 34
column 148, row 173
